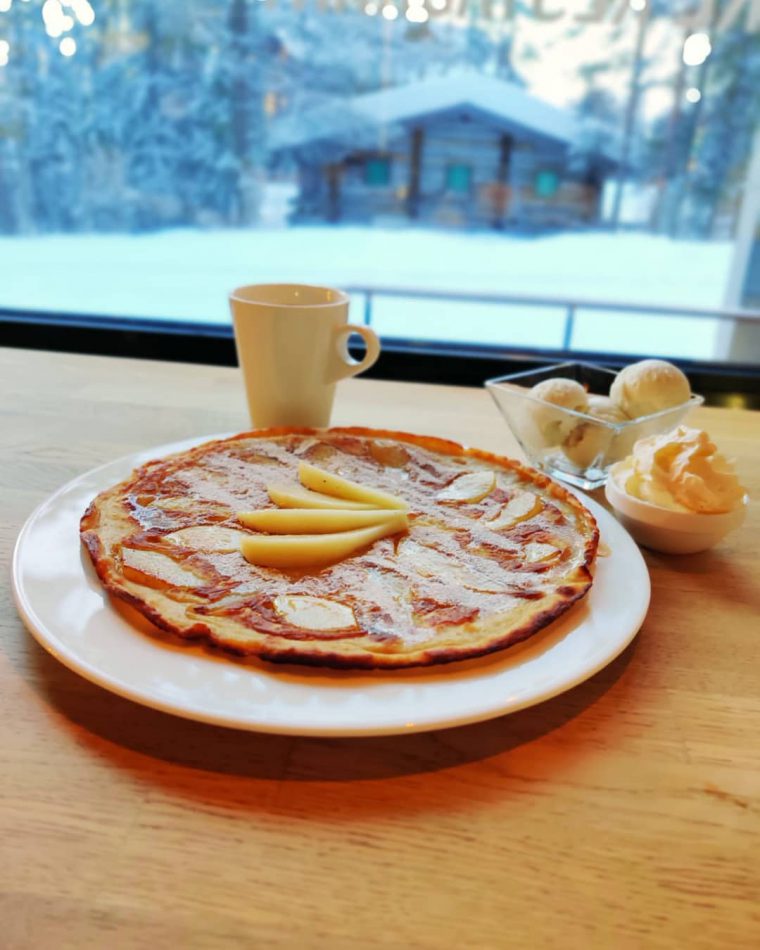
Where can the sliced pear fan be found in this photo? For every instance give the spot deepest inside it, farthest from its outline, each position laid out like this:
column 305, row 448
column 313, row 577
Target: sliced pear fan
column 292, row 551
column 293, row 496
column 472, row 487
column 328, row 483
column 312, row 520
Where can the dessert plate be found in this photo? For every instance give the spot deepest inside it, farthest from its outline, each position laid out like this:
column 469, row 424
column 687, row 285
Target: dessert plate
column 64, row 606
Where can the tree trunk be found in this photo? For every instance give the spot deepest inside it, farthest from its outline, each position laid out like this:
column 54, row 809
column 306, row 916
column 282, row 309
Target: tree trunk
column 415, row 168
column 630, row 114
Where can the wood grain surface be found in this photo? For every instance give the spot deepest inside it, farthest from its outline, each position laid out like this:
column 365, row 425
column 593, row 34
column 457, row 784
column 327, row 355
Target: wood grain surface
column 624, row 813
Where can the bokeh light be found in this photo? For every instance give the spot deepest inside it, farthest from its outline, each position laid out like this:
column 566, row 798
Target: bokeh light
column 84, row 13
column 57, row 21
column 416, row 13
column 696, row 49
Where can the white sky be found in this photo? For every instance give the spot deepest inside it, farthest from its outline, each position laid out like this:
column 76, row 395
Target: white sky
column 565, row 46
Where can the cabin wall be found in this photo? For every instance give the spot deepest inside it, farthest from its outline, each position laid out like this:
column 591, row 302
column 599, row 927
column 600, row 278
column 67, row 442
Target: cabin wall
column 459, row 181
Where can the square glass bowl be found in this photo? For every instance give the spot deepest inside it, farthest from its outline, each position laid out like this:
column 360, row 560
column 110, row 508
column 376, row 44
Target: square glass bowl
column 574, row 446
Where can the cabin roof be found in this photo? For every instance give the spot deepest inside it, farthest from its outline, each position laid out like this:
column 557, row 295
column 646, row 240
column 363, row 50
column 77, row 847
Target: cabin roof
column 357, row 121
column 501, row 100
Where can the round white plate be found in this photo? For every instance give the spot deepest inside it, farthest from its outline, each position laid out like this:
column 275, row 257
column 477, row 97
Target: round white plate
column 62, row 602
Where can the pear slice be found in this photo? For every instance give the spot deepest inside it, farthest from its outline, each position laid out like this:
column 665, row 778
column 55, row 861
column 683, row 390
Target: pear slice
column 472, row 487
column 291, row 551
column 537, row 551
column 314, row 613
column 389, row 453
column 330, row 484
column 293, row 496
column 312, row 520
column 520, row 507
column 153, row 569
column 207, row 537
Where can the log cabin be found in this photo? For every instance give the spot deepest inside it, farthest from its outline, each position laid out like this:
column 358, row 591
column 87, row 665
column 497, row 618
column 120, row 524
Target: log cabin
column 461, row 151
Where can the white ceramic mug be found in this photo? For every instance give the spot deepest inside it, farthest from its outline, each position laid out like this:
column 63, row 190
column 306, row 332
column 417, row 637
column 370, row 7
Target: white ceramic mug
column 292, row 345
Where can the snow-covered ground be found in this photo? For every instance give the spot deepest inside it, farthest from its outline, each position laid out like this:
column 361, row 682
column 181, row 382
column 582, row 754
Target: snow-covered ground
column 187, row 274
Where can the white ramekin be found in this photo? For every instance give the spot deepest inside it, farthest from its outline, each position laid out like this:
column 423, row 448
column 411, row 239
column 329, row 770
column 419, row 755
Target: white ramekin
column 673, row 532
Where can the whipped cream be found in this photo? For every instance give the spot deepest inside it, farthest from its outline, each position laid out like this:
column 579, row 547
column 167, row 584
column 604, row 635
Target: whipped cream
column 682, row 471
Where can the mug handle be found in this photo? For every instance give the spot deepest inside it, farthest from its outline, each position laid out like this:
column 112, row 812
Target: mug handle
column 345, row 365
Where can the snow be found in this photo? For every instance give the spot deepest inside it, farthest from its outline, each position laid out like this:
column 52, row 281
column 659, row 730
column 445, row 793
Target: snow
column 503, row 100
column 187, row 274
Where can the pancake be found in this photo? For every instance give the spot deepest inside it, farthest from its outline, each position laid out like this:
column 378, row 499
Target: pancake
column 481, row 553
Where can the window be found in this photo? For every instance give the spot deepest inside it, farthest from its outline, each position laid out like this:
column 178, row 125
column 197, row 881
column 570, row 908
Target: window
column 546, row 184
column 377, row 172
column 155, row 155
column 458, row 179
column 751, row 289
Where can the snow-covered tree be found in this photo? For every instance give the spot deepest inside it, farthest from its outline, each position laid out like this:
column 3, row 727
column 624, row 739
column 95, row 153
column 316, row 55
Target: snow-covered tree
column 163, row 117
column 723, row 140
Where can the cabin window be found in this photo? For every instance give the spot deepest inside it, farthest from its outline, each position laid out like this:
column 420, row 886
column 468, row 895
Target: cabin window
column 546, row 183
column 459, row 179
column 377, row 172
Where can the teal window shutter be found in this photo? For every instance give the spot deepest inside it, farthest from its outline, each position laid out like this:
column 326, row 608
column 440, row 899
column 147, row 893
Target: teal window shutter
column 377, row 172
column 546, row 184
column 458, row 178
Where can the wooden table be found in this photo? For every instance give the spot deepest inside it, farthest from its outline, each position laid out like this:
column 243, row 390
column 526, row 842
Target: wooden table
column 624, row 813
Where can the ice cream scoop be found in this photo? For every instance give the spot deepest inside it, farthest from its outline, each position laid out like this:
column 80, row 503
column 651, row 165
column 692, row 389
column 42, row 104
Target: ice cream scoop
column 649, row 386
column 602, row 407
column 588, row 441
column 563, row 393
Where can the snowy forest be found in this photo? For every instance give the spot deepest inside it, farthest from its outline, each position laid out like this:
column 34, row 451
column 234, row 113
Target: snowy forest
column 137, row 115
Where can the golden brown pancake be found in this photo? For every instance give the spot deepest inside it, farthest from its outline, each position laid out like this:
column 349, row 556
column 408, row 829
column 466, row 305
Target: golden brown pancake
column 495, row 551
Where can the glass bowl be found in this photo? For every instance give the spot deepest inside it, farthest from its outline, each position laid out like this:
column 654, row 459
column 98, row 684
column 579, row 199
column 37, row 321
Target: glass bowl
column 574, row 446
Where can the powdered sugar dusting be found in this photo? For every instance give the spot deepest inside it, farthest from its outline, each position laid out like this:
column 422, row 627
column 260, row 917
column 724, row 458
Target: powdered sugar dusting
column 451, row 559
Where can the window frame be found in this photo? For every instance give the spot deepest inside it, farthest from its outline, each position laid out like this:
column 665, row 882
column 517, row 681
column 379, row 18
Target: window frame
column 401, row 359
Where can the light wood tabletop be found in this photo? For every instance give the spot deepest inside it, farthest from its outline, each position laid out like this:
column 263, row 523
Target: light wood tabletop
column 623, row 813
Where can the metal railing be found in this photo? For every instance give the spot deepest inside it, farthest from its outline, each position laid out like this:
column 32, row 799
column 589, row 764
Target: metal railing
column 570, row 306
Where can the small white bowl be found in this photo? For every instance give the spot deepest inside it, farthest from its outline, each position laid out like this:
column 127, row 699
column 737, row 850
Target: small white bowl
column 672, row 532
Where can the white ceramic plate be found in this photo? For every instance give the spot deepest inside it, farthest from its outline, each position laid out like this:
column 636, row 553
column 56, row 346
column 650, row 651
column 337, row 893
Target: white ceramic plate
column 63, row 604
